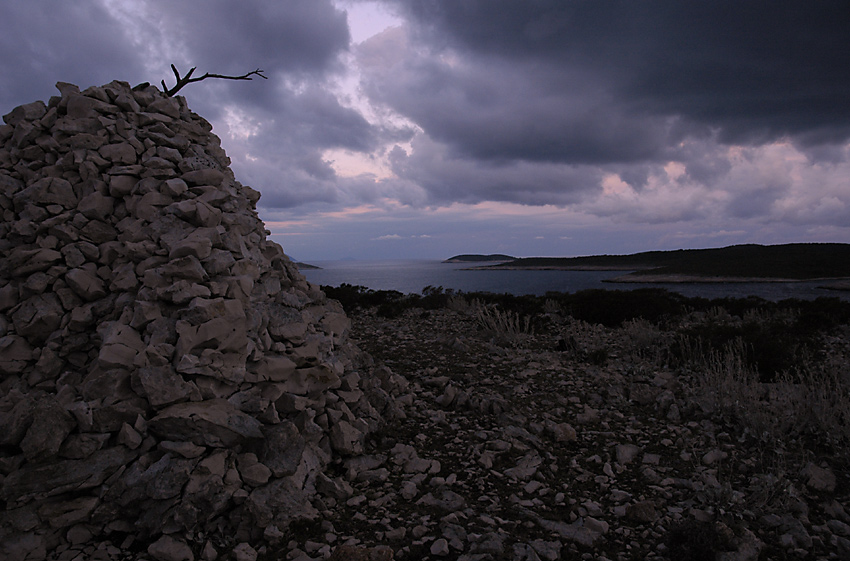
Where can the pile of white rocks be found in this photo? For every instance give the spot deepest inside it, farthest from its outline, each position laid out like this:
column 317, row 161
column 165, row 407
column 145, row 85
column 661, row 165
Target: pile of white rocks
column 170, row 385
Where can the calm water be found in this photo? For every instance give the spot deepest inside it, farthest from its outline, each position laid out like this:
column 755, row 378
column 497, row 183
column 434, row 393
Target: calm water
column 409, row 276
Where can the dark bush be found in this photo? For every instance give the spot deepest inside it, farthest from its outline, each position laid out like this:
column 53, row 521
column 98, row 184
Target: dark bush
column 613, row 307
column 354, row 297
column 821, row 314
column 779, row 339
column 597, row 357
column 434, row 298
column 348, row 295
column 693, row 541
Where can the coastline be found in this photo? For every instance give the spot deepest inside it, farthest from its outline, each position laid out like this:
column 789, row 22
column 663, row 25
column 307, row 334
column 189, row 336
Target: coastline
column 834, row 283
column 750, row 263
column 555, row 268
column 678, row 278
column 838, row 284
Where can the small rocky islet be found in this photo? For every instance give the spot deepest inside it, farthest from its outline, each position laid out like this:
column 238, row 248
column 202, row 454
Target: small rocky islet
column 172, row 389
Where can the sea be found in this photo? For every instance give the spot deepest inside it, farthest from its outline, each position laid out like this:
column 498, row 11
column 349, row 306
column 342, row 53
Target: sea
column 412, row 276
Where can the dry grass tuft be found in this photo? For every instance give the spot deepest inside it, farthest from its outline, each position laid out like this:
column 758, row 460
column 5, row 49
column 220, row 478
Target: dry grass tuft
column 507, row 327
column 458, row 303
column 813, row 402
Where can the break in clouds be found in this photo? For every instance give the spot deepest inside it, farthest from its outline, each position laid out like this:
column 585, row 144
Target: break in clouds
column 655, row 112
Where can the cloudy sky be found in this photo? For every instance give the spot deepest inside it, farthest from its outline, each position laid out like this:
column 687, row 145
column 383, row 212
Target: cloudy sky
column 426, row 128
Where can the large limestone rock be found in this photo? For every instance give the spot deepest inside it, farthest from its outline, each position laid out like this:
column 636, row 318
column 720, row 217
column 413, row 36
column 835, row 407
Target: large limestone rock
column 165, row 371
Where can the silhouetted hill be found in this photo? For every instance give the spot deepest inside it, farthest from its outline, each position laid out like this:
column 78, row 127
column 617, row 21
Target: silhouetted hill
column 801, row 261
column 476, row 258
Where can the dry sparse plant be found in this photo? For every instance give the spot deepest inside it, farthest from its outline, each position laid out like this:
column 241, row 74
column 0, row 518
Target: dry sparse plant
column 818, row 399
column 551, row 306
column 757, row 315
column 813, row 402
column 458, row 303
column 642, row 336
column 586, row 341
column 772, row 490
column 506, row 326
column 584, row 333
column 718, row 314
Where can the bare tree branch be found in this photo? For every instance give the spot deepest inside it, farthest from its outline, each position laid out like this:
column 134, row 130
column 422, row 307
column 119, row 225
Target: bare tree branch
column 187, row 79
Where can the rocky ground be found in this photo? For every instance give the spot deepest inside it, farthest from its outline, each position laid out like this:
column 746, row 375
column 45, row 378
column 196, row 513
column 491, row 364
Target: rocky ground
column 533, row 448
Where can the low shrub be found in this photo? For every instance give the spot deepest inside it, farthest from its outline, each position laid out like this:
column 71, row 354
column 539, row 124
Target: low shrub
column 775, row 339
column 433, row 298
column 612, row 308
column 354, row 297
column 812, row 405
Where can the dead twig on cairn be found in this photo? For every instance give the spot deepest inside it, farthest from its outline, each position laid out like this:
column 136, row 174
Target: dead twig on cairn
column 187, row 79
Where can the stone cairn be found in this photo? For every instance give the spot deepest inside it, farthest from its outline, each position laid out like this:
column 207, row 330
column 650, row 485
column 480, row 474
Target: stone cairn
column 170, row 384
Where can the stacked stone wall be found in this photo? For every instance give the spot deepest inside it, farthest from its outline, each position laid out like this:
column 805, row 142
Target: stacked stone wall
column 168, row 379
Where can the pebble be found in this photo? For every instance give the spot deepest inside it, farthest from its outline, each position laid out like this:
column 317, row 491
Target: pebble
column 440, row 547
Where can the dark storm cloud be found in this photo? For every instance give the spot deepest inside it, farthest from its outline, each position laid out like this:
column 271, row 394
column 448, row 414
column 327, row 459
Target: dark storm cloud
column 296, row 43
column 291, row 36
column 496, row 109
column 752, row 71
column 449, row 179
column 754, row 202
column 324, row 122
column 49, row 41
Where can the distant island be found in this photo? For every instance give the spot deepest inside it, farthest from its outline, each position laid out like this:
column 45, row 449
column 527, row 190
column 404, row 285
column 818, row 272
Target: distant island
column 476, row 258
column 737, row 263
column 305, row 266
